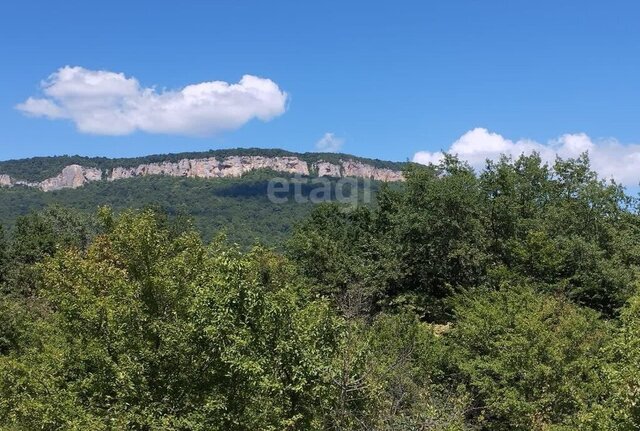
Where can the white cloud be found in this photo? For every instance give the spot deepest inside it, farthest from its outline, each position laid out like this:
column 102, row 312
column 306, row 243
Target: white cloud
column 609, row 158
column 329, row 143
column 109, row 103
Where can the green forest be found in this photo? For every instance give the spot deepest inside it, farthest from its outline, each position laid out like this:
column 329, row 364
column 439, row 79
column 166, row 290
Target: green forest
column 240, row 207
column 40, row 168
column 505, row 299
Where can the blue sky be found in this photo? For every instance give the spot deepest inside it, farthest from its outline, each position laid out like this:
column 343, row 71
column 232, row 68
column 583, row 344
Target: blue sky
column 388, row 79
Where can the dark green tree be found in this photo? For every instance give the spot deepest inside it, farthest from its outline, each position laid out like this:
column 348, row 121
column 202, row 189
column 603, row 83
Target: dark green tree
column 148, row 331
column 531, row 361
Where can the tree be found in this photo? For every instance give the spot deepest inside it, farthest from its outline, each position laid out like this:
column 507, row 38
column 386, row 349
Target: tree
column 4, row 256
column 346, row 255
column 448, row 230
column 621, row 409
column 387, row 376
column 145, row 331
column 562, row 228
column 39, row 235
column 439, row 223
column 531, row 361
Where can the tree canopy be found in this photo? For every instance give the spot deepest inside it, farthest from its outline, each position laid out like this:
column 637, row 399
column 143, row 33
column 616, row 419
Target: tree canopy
column 500, row 300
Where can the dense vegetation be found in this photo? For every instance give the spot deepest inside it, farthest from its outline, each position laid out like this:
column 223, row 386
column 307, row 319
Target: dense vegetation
column 239, row 206
column 504, row 300
column 40, row 168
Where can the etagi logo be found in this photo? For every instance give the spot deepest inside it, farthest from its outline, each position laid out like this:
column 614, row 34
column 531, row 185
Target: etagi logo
column 351, row 191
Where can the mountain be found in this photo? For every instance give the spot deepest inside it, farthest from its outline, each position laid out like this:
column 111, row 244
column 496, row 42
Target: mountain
column 57, row 172
column 218, row 189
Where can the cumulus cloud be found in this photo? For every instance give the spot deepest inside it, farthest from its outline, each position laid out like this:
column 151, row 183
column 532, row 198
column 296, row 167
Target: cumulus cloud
column 329, row 143
column 109, row 103
column 609, row 158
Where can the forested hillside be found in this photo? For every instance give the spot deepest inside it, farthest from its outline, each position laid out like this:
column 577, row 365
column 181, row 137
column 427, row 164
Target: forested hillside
column 238, row 206
column 40, row 168
column 505, row 299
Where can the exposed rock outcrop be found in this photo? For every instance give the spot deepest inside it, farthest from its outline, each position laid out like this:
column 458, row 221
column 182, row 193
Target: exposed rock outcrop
column 74, row 176
column 350, row 168
column 326, row 169
column 5, row 180
column 213, row 168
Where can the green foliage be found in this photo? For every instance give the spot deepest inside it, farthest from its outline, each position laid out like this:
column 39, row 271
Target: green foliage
column 146, row 331
column 13, row 324
column 36, row 236
column 148, row 328
column 564, row 229
column 448, row 230
column 387, row 377
column 4, row 256
column 238, row 206
column 504, row 300
column 439, row 227
column 40, row 168
column 531, row 361
column 344, row 254
column 621, row 410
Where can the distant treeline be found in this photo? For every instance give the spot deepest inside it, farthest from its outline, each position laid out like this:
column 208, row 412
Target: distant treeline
column 238, row 206
column 40, row 168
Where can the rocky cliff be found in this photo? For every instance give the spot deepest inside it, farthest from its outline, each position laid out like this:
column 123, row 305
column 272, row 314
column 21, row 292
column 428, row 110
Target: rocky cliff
column 5, row 180
column 213, row 168
column 73, row 176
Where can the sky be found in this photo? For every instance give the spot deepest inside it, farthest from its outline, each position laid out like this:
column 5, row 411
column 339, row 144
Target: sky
column 401, row 80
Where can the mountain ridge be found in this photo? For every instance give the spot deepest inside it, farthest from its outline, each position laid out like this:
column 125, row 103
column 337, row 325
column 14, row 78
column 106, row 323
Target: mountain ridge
column 216, row 195
column 75, row 175
column 40, row 168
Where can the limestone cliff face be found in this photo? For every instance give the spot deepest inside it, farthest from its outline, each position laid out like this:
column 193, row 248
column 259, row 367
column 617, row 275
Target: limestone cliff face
column 213, row 168
column 326, row 169
column 74, row 176
column 5, row 180
column 350, row 168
